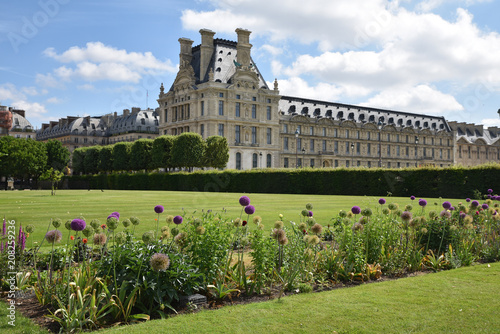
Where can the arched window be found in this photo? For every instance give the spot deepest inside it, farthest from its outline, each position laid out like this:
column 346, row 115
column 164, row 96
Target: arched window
column 238, row 160
column 268, row 161
column 254, row 160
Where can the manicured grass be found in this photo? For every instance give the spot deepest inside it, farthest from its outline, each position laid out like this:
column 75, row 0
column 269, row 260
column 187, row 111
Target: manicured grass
column 464, row 300
column 38, row 207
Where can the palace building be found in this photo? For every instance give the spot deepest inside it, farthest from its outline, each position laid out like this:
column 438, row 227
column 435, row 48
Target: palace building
column 220, row 91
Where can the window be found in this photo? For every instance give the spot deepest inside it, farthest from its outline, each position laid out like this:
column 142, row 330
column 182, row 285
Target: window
column 357, row 135
column 324, row 132
column 335, row 147
column 254, row 135
column 368, row 135
column 323, row 146
column 202, row 108
column 254, row 111
column 388, row 137
column 477, row 152
column 285, row 162
column 237, row 136
column 347, row 163
column 358, row 148
column 268, row 113
column 299, row 162
column 221, row 94
column 299, row 144
column 388, row 150
column 407, row 151
column 311, row 131
column 335, row 133
column 397, row 138
column 389, row 164
column 311, row 163
column 221, row 108
column 440, row 153
column 285, row 128
column 368, row 149
column 347, row 133
column 397, row 150
column 166, row 115
column 202, row 130
column 237, row 110
column 269, row 136
column 369, row 164
column 221, row 130
column 336, row 163
column 255, row 158
column 347, row 147
column 238, row 160
column 76, row 140
column 407, row 139
column 311, row 145
column 238, row 97
column 285, row 143
column 268, row 100
column 268, row 161
column 254, row 98
column 468, row 149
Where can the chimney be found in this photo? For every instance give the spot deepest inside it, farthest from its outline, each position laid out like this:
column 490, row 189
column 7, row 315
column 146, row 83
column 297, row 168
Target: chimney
column 243, row 47
column 206, row 51
column 115, row 115
column 186, row 52
column 19, row 112
column 126, row 112
column 135, row 110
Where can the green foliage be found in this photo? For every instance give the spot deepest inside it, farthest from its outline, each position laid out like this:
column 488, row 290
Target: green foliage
column 106, row 159
column 78, row 160
column 57, row 155
column 216, row 152
column 188, row 150
column 21, row 157
column 91, row 160
column 54, row 176
column 161, row 151
column 121, row 156
column 140, row 154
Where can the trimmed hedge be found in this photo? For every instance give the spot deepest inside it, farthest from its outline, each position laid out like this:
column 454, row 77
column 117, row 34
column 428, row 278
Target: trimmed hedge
column 453, row 182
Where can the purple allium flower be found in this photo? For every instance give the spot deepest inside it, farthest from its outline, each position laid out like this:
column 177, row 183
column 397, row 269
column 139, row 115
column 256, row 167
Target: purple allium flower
column 452, row 208
column 490, row 191
column 244, row 201
column 485, row 206
column 446, row 205
column 467, row 200
column 412, row 197
column 177, row 220
column 422, row 202
column 116, row 214
column 489, row 196
column 474, row 203
column 310, row 214
column 53, row 236
column 78, row 224
column 249, row 209
column 159, row 209
column 381, row 201
column 462, row 215
column 356, row 210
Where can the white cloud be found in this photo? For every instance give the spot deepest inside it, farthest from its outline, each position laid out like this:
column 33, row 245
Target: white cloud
column 86, row 87
column 420, row 99
column 429, row 5
column 97, row 61
column 54, row 100
column 11, row 96
column 489, row 122
column 275, row 51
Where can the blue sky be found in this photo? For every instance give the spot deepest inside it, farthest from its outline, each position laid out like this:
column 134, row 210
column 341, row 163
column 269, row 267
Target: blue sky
column 437, row 57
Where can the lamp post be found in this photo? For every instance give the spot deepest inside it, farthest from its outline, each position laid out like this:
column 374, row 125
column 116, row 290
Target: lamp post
column 352, row 154
column 380, row 126
column 260, row 162
column 303, row 156
column 296, row 148
column 416, row 152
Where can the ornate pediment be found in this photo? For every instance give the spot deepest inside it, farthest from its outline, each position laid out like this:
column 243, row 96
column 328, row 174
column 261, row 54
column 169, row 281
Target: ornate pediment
column 185, row 78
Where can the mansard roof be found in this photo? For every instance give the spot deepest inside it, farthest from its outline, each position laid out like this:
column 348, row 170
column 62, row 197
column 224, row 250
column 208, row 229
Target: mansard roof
column 475, row 133
column 360, row 114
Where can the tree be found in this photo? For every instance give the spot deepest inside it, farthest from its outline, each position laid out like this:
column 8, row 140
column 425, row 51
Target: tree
column 140, row 154
column 57, row 155
column 161, row 152
column 77, row 162
column 106, row 159
column 54, row 176
column 121, row 156
column 188, row 150
column 217, row 152
column 91, row 159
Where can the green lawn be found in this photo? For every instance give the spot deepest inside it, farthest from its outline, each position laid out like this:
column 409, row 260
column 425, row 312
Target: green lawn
column 38, row 207
column 464, row 300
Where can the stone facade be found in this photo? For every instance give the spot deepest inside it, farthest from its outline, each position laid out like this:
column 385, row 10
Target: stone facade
column 475, row 144
column 220, row 91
